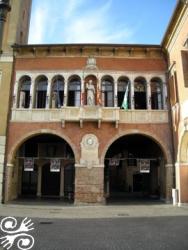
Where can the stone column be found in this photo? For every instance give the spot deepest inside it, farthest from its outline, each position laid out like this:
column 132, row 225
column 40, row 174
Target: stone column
column 148, row 95
column 164, row 95
column 82, row 92
column 32, row 93
column 89, row 174
column 39, row 181
column 116, row 93
column 16, row 94
column 132, row 93
column 169, row 181
column 62, row 183
column 65, row 92
column 48, row 95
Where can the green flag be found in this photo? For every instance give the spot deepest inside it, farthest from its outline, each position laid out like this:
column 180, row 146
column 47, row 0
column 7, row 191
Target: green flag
column 125, row 99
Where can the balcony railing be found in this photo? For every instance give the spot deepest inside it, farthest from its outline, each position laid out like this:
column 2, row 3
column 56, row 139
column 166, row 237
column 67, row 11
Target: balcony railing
column 86, row 113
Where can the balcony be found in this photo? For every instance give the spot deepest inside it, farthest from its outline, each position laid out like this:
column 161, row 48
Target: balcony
column 86, row 113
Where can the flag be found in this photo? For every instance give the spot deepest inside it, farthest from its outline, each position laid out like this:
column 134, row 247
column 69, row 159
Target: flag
column 125, row 99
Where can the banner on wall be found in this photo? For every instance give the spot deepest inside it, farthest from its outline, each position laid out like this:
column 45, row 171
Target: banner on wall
column 144, row 165
column 28, row 164
column 55, row 165
column 114, row 162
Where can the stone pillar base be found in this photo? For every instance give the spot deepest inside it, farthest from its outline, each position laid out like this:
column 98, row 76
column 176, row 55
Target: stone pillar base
column 89, row 185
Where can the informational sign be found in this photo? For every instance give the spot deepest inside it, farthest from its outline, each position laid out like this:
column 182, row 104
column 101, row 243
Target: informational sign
column 144, row 165
column 114, row 162
column 55, row 165
column 28, row 164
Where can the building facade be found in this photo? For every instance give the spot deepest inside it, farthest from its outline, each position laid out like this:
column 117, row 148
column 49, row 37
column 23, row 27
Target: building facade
column 52, row 118
column 14, row 26
column 176, row 44
column 89, row 122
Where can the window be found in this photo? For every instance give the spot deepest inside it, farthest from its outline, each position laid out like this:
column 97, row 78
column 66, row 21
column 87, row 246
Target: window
column 107, row 93
column 184, row 55
column 41, row 92
column 140, row 93
column 24, row 92
column 123, row 84
column 57, row 92
column 74, row 92
column 156, row 94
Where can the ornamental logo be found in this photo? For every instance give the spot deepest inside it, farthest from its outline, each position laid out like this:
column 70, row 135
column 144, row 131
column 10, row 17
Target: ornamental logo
column 16, row 234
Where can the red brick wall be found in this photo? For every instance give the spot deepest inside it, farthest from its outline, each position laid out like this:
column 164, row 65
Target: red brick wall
column 70, row 63
column 17, row 131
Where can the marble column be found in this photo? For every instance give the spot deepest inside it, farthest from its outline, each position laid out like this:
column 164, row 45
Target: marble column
column 65, row 92
column 48, row 94
column 148, row 95
column 116, row 93
column 32, row 94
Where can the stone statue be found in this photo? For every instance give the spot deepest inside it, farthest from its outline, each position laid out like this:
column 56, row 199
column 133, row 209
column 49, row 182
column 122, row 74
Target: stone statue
column 90, row 93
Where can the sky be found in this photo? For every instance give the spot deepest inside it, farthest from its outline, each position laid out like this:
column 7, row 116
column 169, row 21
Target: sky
column 99, row 21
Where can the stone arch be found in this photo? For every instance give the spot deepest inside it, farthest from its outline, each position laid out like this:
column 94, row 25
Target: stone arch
column 18, row 143
column 162, row 146
column 183, row 148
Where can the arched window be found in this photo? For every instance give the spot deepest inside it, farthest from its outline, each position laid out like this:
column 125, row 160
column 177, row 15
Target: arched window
column 24, row 92
column 123, row 87
column 74, row 92
column 156, row 94
column 57, row 92
column 107, row 92
column 140, row 93
column 41, row 92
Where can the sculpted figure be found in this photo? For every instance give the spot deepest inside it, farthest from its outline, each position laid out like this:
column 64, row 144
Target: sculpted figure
column 90, row 93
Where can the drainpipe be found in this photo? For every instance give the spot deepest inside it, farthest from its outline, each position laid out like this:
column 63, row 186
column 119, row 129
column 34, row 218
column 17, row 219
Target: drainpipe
column 4, row 9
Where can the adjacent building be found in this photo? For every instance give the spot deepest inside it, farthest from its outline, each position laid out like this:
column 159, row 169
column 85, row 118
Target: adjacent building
column 14, row 26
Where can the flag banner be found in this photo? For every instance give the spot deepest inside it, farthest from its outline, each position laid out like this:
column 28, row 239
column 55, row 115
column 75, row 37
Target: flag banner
column 28, row 164
column 144, row 165
column 125, row 99
column 114, row 162
column 55, row 165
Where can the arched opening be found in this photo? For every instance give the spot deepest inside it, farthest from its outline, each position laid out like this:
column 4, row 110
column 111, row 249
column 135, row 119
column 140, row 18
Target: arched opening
column 156, row 94
column 134, row 169
column 57, row 94
column 123, row 89
column 140, row 93
column 41, row 92
column 41, row 163
column 74, row 91
column 24, row 92
column 107, row 90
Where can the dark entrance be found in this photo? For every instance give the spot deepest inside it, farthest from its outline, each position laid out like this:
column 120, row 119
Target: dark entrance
column 134, row 169
column 29, row 182
column 42, row 149
column 140, row 100
column 50, row 182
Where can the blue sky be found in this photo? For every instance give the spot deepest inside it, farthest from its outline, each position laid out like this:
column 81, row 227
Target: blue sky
column 99, row 21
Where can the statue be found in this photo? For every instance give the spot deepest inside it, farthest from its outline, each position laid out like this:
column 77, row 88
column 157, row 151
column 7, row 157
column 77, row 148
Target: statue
column 90, row 93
